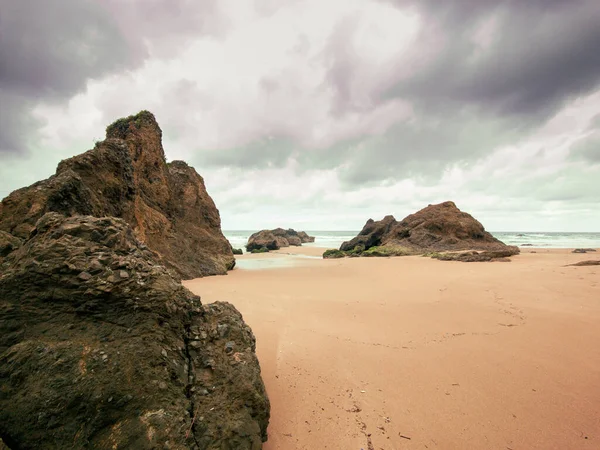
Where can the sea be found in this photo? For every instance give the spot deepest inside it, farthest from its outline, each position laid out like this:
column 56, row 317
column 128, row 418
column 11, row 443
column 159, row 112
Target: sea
column 333, row 239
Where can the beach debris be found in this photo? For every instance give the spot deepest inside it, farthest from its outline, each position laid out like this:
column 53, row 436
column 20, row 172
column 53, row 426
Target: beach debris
column 583, row 250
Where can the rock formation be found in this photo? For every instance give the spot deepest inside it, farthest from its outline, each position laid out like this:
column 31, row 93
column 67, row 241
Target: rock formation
column 442, row 230
column 100, row 346
column 266, row 240
column 590, row 262
column 127, row 176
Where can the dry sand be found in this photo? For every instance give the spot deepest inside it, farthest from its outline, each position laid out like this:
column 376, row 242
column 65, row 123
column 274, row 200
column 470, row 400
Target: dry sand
column 414, row 353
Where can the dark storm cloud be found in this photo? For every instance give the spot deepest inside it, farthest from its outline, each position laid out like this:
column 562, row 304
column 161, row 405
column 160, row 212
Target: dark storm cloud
column 541, row 54
column 471, row 96
column 50, row 48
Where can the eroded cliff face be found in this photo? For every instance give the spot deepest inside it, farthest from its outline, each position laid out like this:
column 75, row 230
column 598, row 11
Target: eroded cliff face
column 101, row 347
column 127, row 176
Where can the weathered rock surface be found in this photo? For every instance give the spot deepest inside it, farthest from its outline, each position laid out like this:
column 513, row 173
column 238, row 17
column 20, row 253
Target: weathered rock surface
column 434, row 229
column 127, row 176
column 101, row 347
column 8, row 243
column 265, row 240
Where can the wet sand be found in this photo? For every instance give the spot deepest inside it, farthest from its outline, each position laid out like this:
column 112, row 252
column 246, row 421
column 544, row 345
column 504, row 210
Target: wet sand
column 415, row 353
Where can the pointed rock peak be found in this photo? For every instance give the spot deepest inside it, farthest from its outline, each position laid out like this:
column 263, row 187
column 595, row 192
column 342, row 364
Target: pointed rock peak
column 448, row 204
column 142, row 122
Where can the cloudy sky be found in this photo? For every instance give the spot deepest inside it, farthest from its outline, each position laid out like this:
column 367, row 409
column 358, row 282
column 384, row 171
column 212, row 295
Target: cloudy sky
column 321, row 114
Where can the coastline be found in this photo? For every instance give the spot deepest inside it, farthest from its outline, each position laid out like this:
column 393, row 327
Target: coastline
column 369, row 352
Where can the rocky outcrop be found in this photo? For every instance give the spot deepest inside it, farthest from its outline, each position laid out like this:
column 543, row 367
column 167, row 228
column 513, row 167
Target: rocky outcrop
column 436, row 229
column 127, row 176
column 102, row 347
column 591, row 262
column 266, row 240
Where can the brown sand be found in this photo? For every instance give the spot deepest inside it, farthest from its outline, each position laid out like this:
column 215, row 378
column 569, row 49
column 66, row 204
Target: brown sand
column 414, row 353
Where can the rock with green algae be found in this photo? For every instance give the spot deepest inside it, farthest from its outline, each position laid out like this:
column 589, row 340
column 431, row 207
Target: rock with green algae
column 437, row 229
column 102, row 347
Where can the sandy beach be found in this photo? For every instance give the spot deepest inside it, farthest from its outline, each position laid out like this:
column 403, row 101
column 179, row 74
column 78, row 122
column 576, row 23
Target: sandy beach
column 415, row 353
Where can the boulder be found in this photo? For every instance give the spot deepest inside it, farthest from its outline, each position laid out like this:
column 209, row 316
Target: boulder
column 102, row 347
column 127, row 176
column 277, row 238
column 294, row 240
column 434, row 229
column 305, row 238
column 263, row 239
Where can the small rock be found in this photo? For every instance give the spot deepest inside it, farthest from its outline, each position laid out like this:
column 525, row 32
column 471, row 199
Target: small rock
column 229, row 346
column 209, row 362
column 84, row 276
column 223, row 330
column 96, row 266
column 162, row 385
column 123, row 274
column 164, row 352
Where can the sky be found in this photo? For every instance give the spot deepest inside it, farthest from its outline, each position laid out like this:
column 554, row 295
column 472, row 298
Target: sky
column 319, row 115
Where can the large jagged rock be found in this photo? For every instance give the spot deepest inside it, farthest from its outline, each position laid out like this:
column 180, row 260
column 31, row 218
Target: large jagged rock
column 436, row 228
column 127, row 176
column 101, row 347
column 277, row 238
